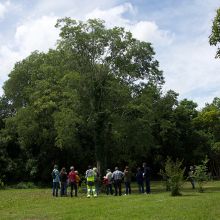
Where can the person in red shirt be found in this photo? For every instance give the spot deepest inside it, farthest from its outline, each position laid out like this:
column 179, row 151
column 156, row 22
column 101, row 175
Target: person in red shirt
column 72, row 181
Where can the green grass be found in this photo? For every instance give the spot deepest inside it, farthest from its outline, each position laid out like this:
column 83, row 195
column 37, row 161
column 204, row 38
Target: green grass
column 39, row 204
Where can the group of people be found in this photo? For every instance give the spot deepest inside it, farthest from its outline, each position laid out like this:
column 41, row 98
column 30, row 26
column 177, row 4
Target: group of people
column 110, row 180
column 62, row 179
column 117, row 177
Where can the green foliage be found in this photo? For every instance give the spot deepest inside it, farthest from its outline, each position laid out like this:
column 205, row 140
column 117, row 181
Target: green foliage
column 201, row 176
column 173, row 173
column 24, row 185
column 2, row 184
column 214, row 38
column 98, row 97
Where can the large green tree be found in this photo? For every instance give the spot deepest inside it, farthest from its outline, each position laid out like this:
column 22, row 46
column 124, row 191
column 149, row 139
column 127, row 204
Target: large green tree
column 89, row 100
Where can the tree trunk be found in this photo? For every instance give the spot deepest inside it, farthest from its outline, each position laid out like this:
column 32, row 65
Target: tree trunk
column 98, row 166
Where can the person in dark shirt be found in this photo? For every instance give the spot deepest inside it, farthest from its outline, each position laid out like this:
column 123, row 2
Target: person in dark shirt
column 191, row 176
column 127, row 180
column 140, row 180
column 147, row 172
column 63, row 181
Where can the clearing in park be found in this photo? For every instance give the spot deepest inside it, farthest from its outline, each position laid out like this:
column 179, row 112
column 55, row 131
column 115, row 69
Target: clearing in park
column 39, row 204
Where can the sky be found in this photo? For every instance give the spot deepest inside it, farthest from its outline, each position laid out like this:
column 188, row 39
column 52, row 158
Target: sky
column 178, row 30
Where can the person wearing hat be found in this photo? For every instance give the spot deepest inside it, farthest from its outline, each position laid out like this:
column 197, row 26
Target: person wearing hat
column 117, row 180
column 109, row 182
column 56, row 180
column 72, row 181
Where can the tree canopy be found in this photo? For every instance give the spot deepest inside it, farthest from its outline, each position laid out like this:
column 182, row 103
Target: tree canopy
column 97, row 99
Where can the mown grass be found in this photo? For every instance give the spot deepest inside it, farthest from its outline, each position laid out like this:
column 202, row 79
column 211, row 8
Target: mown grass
column 39, row 204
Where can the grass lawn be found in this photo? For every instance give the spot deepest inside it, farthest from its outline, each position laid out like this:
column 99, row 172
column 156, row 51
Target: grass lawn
column 39, row 204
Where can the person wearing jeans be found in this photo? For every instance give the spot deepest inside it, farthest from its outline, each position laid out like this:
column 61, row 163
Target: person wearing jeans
column 127, row 180
column 63, row 181
column 147, row 172
column 109, row 182
column 117, row 179
column 140, row 180
column 56, row 180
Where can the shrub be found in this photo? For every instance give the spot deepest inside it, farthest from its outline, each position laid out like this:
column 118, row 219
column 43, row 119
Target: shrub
column 25, row 185
column 201, row 176
column 2, row 185
column 174, row 175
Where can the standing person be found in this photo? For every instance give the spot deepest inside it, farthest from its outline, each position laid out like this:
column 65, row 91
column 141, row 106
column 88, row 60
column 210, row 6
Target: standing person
column 191, row 176
column 147, row 172
column 63, row 181
column 127, row 180
column 140, row 180
column 105, row 183
column 56, row 180
column 117, row 179
column 77, row 179
column 109, row 182
column 97, row 179
column 72, row 181
column 90, row 178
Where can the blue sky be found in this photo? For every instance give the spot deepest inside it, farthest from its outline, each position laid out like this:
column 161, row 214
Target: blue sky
column 177, row 29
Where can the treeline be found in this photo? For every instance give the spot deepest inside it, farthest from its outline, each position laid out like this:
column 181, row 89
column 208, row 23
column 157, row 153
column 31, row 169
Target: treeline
column 97, row 99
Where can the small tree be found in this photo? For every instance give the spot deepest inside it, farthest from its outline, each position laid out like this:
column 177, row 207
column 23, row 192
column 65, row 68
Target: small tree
column 174, row 175
column 200, row 175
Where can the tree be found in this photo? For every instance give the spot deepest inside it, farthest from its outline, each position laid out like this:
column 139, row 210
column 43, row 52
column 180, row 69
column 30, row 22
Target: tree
column 76, row 102
column 214, row 38
column 104, row 58
column 208, row 125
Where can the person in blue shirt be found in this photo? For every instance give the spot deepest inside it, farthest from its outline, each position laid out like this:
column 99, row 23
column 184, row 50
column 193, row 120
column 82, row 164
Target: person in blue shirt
column 56, row 180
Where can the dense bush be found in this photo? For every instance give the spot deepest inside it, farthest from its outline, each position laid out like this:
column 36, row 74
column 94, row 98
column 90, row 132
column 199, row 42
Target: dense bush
column 24, row 185
column 201, row 175
column 174, row 175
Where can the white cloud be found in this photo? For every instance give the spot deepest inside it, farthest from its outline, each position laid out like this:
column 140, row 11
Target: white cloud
column 7, row 59
column 39, row 34
column 149, row 31
column 142, row 30
column 113, row 16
